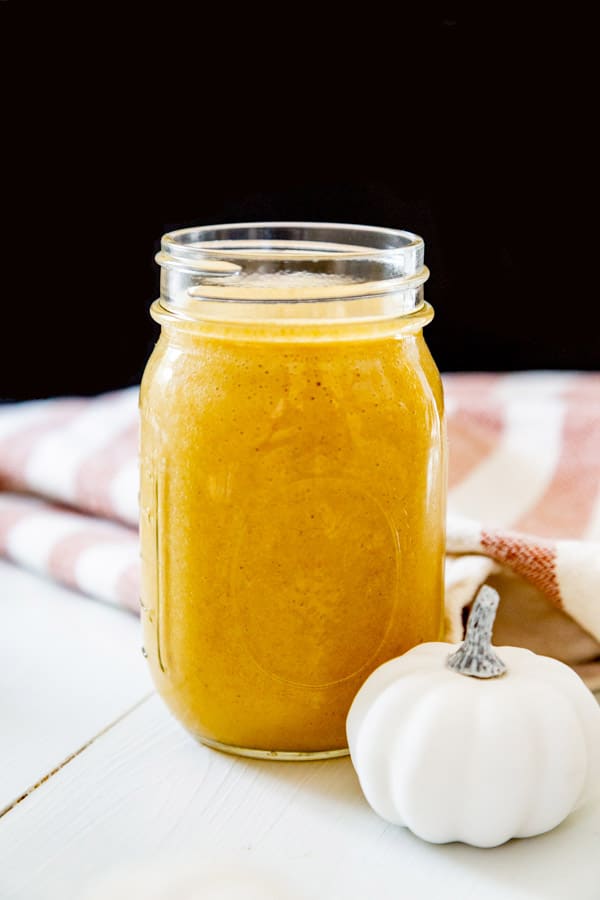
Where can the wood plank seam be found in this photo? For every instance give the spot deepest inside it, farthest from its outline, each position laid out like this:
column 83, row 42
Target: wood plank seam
column 75, row 754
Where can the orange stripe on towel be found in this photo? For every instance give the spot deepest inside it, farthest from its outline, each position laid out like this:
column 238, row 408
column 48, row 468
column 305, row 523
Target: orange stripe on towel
column 532, row 559
column 10, row 515
column 565, row 508
column 475, row 425
column 94, row 477
column 66, row 553
column 17, row 448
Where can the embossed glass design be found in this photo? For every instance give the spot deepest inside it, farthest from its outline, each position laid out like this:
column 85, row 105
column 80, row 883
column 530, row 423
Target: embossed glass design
column 292, row 478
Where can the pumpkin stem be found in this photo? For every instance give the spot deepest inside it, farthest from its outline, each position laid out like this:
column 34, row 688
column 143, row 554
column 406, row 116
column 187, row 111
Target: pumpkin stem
column 475, row 656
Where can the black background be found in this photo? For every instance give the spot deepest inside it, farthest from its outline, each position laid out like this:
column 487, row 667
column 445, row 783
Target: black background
column 471, row 133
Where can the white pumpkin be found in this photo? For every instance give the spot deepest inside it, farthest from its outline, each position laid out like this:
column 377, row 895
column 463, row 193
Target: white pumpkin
column 469, row 748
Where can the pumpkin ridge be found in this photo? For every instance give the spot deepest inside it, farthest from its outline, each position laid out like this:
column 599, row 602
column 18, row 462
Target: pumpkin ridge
column 574, row 698
column 534, row 789
column 471, row 771
column 407, row 692
column 428, row 712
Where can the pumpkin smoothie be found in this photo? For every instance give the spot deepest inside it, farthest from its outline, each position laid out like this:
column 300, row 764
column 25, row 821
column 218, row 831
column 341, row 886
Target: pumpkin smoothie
column 292, row 521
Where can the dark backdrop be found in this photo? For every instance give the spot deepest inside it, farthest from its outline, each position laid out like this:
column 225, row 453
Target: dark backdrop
column 477, row 144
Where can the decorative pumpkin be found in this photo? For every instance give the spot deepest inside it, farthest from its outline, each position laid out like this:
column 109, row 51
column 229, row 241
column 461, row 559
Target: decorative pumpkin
column 460, row 745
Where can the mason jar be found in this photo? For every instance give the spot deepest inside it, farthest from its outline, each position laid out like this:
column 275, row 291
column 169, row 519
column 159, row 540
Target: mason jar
column 292, row 478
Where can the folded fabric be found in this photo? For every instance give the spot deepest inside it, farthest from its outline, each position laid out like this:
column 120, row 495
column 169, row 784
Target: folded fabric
column 524, row 500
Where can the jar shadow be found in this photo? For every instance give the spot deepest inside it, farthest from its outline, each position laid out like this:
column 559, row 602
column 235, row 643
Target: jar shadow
column 333, row 781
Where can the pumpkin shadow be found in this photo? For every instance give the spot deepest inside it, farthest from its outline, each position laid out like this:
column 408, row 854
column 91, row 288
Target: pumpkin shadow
column 552, row 866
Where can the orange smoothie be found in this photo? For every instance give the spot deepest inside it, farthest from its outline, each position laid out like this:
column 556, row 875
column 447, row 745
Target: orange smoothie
column 292, row 521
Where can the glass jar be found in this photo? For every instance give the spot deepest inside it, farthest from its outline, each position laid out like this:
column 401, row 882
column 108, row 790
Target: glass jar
column 292, row 478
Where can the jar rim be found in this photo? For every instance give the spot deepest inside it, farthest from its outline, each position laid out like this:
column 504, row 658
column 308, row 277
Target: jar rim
column 289, row 263
column 260, row 239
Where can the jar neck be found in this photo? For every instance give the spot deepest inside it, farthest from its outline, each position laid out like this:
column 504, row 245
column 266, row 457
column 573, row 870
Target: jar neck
column 292, row 330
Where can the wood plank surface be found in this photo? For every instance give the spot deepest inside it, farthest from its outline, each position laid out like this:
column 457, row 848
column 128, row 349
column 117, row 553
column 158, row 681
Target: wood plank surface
column 144, row 791
column 69, row 666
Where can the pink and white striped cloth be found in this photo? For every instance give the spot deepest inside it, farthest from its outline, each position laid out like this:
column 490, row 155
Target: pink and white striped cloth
column 524, row 502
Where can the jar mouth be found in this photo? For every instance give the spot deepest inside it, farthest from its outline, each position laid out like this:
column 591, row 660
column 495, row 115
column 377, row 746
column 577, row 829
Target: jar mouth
column 279, row 240
column 289, row 263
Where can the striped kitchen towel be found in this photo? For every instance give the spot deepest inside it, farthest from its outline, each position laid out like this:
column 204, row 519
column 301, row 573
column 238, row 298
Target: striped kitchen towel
column 524, row 502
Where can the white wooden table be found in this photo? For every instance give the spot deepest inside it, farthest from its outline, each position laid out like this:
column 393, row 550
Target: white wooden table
column 97, row 780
